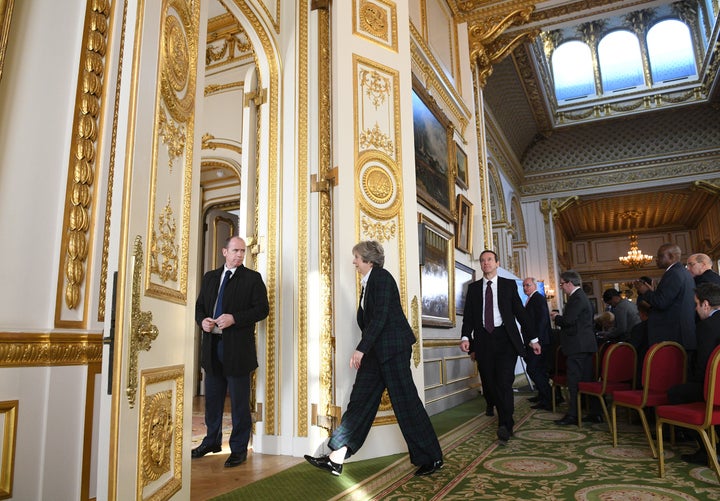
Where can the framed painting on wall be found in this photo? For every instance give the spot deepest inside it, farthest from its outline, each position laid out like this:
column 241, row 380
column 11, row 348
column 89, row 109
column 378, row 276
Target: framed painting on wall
column 463, row 225
column 437, row 259
column 433, row 139
column 464, row 276
column 461, row 167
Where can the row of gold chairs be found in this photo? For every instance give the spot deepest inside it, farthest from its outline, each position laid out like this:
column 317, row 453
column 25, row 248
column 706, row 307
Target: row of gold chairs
column 664, row 366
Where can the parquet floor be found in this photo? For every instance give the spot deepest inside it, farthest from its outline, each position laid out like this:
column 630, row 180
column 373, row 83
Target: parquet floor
column 210, row 478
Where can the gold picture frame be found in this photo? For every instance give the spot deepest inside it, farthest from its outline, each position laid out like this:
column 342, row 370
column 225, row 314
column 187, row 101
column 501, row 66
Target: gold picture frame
column 461, row 167
column 6, row 8
column 437, row 274
column 8, row 409
column 463, row 224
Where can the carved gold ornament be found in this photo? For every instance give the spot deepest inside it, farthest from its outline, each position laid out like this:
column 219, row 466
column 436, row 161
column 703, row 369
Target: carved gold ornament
column 160, row 439
column 378, row 185
column 163, row 249
column 176, row 86
column 373, row 19
column 376, row 138
column 82, row 158
column 415, row 323
column 142, row 331
column 378, row 230
column 157, row 429
column 376, row 87
column 173, row 136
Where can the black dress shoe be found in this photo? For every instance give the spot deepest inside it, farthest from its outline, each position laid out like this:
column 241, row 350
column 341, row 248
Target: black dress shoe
column 236, row 459
column 430, row 468
column 542, row 407
column 567, row 420
column 697, row 457
column 593, row 418
column 503, row 434
column 324, row 463
column 534, row 399
column 203, row 449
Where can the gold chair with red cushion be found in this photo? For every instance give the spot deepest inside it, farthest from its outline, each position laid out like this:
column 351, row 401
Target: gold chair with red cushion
column 618, row 373
column 664, row 367
column 699, row 416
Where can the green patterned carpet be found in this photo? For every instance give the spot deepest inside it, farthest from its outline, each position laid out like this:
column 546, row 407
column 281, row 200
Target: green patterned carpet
column 541, row 462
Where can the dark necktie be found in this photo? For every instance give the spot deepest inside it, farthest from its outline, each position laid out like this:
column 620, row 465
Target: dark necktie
column 489, row 315
column 218, row 304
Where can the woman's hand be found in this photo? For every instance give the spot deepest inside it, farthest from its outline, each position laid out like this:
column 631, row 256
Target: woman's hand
column 356, row 359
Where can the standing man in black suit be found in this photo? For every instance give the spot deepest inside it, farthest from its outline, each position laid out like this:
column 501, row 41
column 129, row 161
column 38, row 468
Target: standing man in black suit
column 232, row 300
column 577, row 339
column 707, row 306
column 672, row 314
column 492, row 307
column 539, row 316
column 700, row 267
column 382, row 360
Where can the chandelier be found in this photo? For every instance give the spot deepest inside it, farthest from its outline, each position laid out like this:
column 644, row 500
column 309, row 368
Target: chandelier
column 635, row 257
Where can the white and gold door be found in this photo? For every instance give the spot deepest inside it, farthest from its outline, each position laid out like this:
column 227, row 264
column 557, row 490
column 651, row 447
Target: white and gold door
column 156, row 47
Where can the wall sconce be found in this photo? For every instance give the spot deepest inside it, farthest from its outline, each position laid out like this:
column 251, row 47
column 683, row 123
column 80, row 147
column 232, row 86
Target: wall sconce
column 549, row 294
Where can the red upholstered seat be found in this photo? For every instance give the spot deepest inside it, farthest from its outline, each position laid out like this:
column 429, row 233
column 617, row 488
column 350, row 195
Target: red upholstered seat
column 618, row 373
column 699, row 416
column 664, row 367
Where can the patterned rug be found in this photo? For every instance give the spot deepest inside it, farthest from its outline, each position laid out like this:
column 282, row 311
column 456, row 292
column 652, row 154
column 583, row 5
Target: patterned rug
column 542, row 461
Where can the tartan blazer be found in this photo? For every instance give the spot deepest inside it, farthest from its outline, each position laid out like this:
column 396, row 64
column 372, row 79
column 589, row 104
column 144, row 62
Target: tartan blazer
column 385, row 329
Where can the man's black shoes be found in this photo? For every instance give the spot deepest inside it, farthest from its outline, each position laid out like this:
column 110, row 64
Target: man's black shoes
column 503, row 434
column 567, row 420
column 426, row 469
column 541, row 406
column 324, row 463
column 534, row 399
column 235, row 459
column 203, row 449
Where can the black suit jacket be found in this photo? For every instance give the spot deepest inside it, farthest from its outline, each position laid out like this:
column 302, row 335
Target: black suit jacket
column 708, row 338
column 577, row 334
column 511, row 308
column 385, row 329
column 539, row 316
column 245, row 298
column 672, row 316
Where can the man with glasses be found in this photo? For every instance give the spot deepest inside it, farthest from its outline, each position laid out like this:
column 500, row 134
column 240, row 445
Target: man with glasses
column 700, row 267
column 577, row 339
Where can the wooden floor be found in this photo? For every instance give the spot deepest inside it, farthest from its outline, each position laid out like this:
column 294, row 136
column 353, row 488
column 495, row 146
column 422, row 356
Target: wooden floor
column 210, row 478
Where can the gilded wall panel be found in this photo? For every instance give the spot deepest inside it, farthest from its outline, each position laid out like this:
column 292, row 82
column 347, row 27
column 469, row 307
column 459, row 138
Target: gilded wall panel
column 172, row 159
column 160, row 438
column 376, row 20
column 80, row 197
column 376, row 108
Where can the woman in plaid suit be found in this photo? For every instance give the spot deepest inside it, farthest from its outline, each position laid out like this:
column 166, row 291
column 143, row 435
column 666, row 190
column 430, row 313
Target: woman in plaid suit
column 382, row 359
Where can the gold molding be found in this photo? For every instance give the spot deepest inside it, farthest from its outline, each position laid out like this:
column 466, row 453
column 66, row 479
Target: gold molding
column 142, row 331
column 217, row 88
column 57, row 348
column 111, row 171
column 415, row 322
column 160, row 438
column 6, row 8
column 376, row 21
column 9, row 409
column 209, row 142
column 87, row 130
column 302, row 218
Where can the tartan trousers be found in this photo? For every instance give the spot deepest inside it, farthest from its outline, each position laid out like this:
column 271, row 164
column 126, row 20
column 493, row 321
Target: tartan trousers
column 371, row 380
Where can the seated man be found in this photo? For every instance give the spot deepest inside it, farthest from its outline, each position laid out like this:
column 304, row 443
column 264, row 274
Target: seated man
column 707, row 303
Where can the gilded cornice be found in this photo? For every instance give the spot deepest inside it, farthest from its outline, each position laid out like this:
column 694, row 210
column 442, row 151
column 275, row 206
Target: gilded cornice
column 56, row 348
column 79, row 198
column 530, row 82
column 6, row 8
column 608, row 177
column 433, row 76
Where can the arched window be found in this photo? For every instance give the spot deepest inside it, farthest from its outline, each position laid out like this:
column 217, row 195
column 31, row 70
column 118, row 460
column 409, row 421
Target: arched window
column 620, row 61
column 670, row 51
column 573, row 71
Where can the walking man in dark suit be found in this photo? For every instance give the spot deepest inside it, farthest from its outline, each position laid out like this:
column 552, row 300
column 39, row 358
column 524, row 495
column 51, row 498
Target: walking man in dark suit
column 492, row 307
column 539, row 316
column 672, row 317
column 577, row 339
column 382, row 360
column 232, row 300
